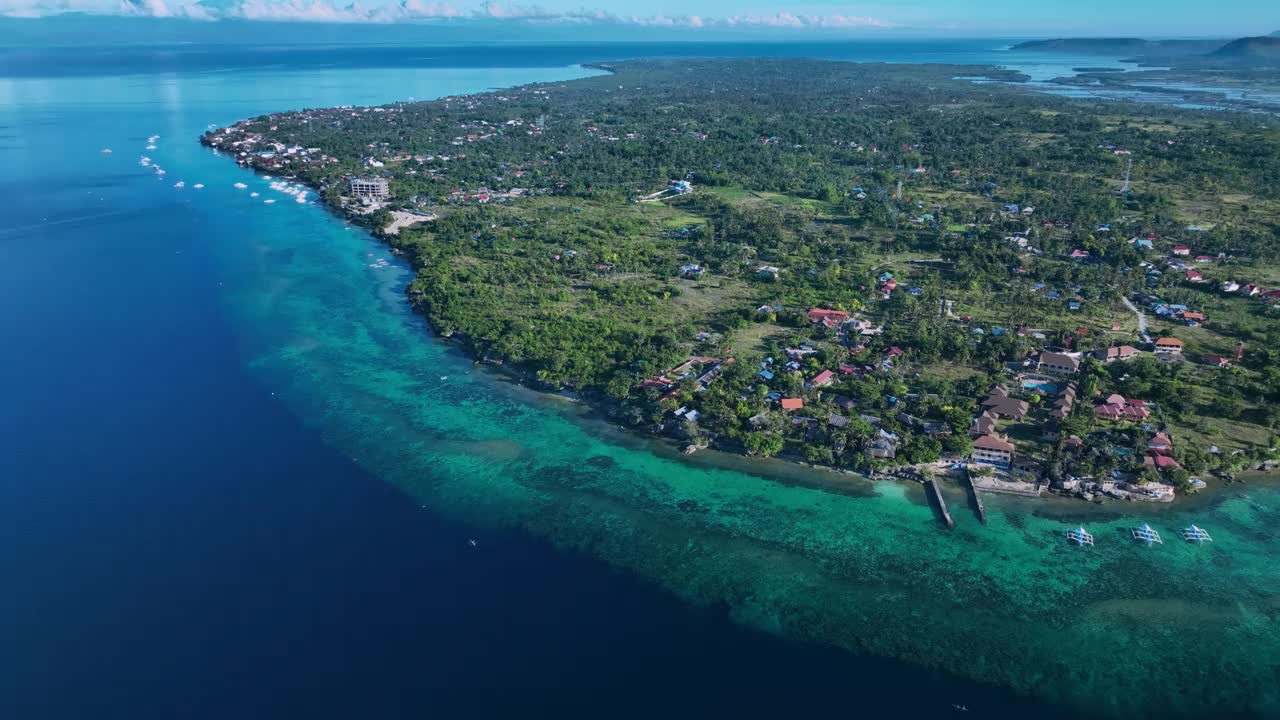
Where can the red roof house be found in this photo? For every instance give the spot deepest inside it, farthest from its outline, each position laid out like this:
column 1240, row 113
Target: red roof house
column 1117, row 407
column 821, row 314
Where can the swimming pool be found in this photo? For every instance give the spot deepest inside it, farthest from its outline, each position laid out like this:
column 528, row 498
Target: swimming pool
column 1045, row 387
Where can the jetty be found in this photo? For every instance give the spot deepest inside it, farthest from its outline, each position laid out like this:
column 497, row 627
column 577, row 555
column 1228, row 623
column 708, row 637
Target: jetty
column 977, row 498
column 1147, row 534
column 1195, row 534
column 1080, row 536
column 931, row 487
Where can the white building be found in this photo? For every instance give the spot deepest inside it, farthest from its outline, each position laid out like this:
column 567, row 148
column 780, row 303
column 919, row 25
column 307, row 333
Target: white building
column 993, row 450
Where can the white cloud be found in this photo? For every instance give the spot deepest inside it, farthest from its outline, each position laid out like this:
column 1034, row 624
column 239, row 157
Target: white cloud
column 404, row 10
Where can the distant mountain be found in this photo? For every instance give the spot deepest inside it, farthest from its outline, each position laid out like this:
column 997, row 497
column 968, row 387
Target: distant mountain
column 1250, row 50
column 1127, row 47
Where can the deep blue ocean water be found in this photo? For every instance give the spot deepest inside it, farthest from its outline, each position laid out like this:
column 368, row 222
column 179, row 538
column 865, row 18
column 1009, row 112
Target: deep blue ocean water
column 174, row 542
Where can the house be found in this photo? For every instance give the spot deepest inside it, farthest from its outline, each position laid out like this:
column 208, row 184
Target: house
column 768, row 272
column 1116, row 354
column 765, row 375
column 1079, row 254
column 993, row 450
column 1058, row 363
column 883, row 449
column 1159, row 491
column 1181, row 250
column 1006, row 407
column 835, row 420
column 1118, row 408
column 1065, row 402
column 827, row 317
column 1214, row 361
column 1160, row 443
column 1230, row 286
column 1251, row 289
column 792, row 404
column 1160, row 462
column 692, row 270
column 984, row 424
column 1168, row 346
column 936, row 429
column 1193, row 318
column 1194, row 276
column 822, row 379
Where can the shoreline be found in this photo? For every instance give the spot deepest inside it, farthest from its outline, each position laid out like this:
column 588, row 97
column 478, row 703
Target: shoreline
column 601, row 414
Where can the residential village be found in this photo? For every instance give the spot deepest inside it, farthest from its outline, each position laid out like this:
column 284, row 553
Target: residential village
column 1020, row 439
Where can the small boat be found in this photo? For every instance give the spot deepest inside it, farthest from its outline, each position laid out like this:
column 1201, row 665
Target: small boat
column 253, row 194
column 268, row 201
column 961, row 708
column 180, row 184
column 153, row 138
column 198, row 186
column 1147, row 534
column 1080, row 536
column 443, row 378
column 240, row 186
column 151, row 147
column 472, row 543
column 1195, row 534
column 160, row 171
column 106, row 151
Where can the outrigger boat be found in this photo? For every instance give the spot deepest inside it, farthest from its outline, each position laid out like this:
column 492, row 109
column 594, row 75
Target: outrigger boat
column 1195, row 534
column 1147, row 534
column 1080, row 536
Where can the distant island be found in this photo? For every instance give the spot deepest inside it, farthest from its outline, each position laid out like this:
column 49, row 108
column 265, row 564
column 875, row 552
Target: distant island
column 1263, row 50
column 1254, row 49
column 881, row 269
column 1122, row 46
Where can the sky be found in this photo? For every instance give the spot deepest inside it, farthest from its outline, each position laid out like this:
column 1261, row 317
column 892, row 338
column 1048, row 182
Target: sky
column 1050, row 18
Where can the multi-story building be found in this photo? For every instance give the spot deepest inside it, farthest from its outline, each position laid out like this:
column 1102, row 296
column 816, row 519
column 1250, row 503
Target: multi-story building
column 372, row 188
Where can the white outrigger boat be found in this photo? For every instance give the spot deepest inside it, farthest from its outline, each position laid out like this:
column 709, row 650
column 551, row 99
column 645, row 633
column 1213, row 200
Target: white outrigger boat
column 1195, row 534
column 1080, row 536
column 1147, row 534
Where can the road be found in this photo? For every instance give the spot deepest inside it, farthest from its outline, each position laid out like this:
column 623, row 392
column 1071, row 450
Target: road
column 1142, row 319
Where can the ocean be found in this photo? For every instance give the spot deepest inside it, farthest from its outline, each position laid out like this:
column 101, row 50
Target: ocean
column 239, row 478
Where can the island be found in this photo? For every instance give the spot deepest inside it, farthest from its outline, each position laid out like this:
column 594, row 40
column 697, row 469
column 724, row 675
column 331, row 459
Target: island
column 883, row 269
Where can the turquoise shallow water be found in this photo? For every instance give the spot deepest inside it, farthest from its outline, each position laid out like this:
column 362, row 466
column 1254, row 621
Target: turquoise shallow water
column 1010, row 603
column 1173, row 630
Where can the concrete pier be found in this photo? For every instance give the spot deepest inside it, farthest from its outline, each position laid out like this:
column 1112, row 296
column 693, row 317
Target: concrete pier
column 931, row 488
